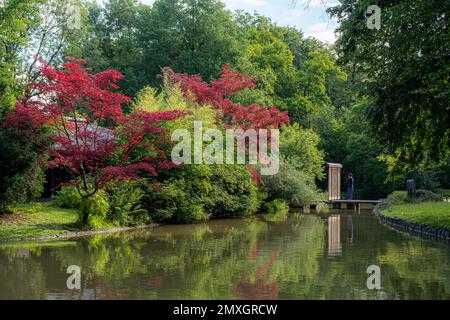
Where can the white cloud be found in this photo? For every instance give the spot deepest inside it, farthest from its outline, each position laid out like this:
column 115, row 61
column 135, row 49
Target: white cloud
column 322, row 31
column 293, row 15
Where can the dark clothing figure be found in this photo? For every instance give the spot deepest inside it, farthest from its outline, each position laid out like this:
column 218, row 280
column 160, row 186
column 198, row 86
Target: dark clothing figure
column 350, row 228
column 350, row 188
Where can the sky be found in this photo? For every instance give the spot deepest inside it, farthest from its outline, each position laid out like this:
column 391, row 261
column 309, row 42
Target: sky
column 307, row 15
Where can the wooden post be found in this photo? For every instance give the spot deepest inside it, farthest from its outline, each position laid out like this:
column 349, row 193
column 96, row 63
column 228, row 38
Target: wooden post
column 334, row 181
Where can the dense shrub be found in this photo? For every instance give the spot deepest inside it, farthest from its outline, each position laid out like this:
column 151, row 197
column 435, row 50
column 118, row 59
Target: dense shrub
column 233, row 193
column 300, row 147
column 401, row 197
column 201, row 191
column 277, row 210
column 93, row 211
column 425, row 195
column 67, row 197
column 173, row 204
column 397, row 197
column 125, row 204
column 22, row 174
column 291, row 185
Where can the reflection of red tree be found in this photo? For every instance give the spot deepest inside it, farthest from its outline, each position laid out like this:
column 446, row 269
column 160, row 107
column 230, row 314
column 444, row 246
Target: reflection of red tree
column 104, row 291
column 120, row 294
column 156, row 281
column 264, row 268
column 255, row 251
column 261, row 289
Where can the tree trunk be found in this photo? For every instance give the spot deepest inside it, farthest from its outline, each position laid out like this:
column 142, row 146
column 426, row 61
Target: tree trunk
column 84, row 211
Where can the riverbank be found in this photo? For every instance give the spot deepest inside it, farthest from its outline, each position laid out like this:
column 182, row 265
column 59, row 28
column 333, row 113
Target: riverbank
column 428, row 219
column 43, row 221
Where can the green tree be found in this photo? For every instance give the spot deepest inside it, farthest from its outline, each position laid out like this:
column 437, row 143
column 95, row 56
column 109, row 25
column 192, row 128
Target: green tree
column 406, row 70
column 301, row 148
column 16, row 19
column 21, row 169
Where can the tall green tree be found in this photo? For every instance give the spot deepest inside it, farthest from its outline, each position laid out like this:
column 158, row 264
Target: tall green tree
column 16, row 19
column 406, row 67
column 190, row 36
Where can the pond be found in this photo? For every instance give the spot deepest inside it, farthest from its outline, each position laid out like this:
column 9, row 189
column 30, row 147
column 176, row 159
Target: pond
column 310, row 256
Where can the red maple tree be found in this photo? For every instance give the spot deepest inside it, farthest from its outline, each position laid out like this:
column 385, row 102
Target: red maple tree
column 218, row 94
column 90, row 135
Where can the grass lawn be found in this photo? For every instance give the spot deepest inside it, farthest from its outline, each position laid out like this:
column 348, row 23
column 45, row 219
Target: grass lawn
column 432, row 214
column 37, row 221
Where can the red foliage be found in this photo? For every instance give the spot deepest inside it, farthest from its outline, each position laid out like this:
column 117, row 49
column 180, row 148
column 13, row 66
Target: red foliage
column 218, row 93
column 90, row 134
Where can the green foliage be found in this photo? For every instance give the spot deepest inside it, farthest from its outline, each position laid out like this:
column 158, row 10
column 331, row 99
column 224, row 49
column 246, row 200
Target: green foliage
column 201, row 191
column 93, row 211
column 171, row 203
column 406, row 72
column 247, row 97
column 192, row 36
column 426, row 196
column 170, row 97
column 68, row 197
column 397, row 197
column 33, row 208
column 233, row 192
column 266, row 55
column 346, row 138
column 125, row 205
column 401, row 197
column 299, row 75
column 277, row 210
column 22, row 170
column 443, row 192
column 300, row 147
column 292, row 186
column 119, row 204
column 16, row 19
column 425, row 179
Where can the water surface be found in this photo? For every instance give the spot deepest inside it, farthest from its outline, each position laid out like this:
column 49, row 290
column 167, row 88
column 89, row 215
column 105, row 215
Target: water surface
column 304, row 257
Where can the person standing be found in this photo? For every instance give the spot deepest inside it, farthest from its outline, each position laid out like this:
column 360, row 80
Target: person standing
column 350, row 187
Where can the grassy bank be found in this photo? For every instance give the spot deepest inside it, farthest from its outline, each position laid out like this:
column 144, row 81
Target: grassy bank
column 38, row 220
column 432, row 214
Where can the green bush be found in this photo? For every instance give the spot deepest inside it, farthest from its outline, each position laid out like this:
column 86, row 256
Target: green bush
column 299, row 147
column 425, row 195
column 233, row 193
column 401, row 197
column 173, row 204
column 277, row 210
column 22, row 169
column 68, row 197
column 94, row 210
column 291, row 185
column 397, row 197
column 125, row 205
column 201, row 191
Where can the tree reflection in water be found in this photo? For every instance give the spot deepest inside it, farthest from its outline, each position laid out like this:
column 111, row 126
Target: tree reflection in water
column 302, row 257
